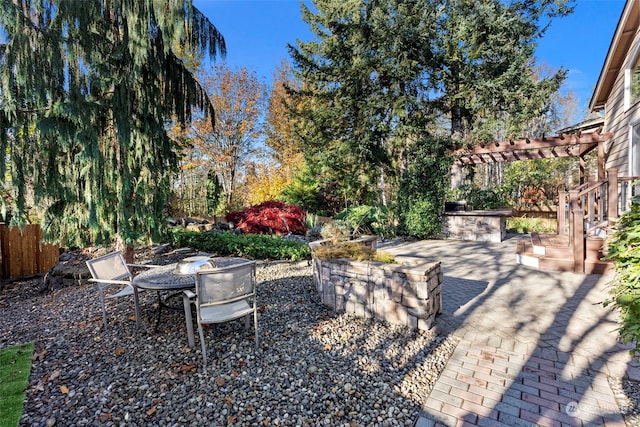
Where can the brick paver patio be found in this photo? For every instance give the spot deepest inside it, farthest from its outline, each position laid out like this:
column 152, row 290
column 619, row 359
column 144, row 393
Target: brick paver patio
column 536, row 348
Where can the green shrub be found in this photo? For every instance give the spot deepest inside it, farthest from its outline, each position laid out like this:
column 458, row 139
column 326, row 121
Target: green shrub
column 624, row 250
column 423, row 219
column 336, row 230
column 477, row 198
column 353, row 250
column 369, row 220
column 251, row 246
column 423, row 187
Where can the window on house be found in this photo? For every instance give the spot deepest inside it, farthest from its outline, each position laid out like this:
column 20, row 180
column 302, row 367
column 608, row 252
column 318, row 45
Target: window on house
column 635, row 81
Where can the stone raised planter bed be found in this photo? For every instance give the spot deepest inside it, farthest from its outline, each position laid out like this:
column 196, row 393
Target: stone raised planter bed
column 407, row 293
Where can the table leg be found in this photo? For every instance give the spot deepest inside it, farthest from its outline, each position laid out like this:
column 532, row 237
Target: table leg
column 160, row 303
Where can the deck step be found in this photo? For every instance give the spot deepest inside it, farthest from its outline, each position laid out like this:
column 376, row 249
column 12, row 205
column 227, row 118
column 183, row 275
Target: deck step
column 553, row 253
column 598, row 267
column 525, row 255
column 551, row 245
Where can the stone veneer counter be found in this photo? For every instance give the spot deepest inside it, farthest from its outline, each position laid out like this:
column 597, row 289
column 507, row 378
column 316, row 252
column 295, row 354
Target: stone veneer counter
column 407, row 293
column 480, row 225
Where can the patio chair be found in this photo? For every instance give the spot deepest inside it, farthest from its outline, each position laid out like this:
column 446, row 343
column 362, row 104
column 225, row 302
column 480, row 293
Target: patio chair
column 223, row 294
column 112, row 270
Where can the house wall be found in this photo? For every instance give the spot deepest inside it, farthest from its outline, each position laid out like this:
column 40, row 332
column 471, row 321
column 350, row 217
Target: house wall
column 618, row 120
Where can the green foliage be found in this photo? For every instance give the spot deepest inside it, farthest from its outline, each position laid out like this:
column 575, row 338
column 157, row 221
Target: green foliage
column 489, row 87
column 361, row 92
column 312, row 221
column 368, row 220
column 353, row 250
column 624, row 250
column 546, row 175
column 422, row 219
column 251, row 246
column 336, row 230
column 304, row 192
column 424, row 187
column 15, row 368
column 215, row 195
column 86, row 96
column 380, row 75
column 477, row 198
column 524, row 224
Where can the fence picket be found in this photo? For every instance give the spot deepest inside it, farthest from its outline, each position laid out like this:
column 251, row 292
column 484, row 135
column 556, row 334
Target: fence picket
column 23, row 252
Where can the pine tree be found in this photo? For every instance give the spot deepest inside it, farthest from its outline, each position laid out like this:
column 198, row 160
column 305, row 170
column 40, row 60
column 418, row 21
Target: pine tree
column 87, row 87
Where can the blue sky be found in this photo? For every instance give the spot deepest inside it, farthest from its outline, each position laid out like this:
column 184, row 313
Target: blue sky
column 257, row 32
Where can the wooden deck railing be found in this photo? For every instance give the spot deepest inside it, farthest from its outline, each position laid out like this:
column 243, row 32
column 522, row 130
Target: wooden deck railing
column 593, row 206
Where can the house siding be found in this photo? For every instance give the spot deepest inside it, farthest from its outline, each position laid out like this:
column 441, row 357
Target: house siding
column 618, row 120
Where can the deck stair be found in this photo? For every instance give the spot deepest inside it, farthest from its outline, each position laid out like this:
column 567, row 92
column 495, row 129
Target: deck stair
column 552, row 252
column 584, row 216
column 548, row 252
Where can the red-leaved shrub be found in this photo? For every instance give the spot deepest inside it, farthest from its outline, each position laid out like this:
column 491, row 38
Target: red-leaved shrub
column 269, row 218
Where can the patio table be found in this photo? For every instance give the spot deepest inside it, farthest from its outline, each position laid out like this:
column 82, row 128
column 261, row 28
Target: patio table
column 165, row 279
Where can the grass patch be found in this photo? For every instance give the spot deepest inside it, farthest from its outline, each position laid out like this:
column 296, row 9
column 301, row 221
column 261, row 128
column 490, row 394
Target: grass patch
column 524, row 224
column 15, row 368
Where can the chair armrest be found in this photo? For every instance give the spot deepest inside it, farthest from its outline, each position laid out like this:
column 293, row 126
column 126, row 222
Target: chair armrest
column 143, row 265
column 112, row 282
column 189, row 293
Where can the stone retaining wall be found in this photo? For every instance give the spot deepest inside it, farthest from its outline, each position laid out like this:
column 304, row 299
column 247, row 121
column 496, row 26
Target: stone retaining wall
column 408, row 293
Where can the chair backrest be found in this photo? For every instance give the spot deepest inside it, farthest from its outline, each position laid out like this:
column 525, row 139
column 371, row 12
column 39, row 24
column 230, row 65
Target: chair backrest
column 111, row 266
column 226, row 284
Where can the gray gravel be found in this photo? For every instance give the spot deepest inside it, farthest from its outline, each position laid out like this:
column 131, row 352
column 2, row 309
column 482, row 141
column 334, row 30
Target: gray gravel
column 313, row 367
column 627, row 395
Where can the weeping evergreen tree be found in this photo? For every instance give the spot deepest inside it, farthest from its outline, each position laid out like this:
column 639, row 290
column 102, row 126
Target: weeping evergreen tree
column 87, row 89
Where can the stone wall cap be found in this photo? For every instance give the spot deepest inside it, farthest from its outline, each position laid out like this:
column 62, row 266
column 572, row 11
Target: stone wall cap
column 403, row 264
column 487, row 212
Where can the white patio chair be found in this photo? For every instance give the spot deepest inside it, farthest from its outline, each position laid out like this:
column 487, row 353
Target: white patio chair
column 112, row 270
column 223, row 294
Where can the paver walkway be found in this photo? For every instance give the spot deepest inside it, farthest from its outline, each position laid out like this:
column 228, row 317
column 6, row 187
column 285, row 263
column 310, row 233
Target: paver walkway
column 536, row 347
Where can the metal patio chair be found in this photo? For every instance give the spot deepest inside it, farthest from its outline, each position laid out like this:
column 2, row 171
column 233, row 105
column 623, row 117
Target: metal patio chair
column 111, row 270
column 223, row 294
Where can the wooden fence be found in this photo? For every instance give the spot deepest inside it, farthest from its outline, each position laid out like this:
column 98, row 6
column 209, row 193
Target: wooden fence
column 23, row 253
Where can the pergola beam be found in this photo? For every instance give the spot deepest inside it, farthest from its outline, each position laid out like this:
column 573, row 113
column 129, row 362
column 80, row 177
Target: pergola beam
column 511, row 156
column 572, row 145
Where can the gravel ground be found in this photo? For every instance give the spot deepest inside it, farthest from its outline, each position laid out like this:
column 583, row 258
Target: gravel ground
column 313, row 367
column 627, row 394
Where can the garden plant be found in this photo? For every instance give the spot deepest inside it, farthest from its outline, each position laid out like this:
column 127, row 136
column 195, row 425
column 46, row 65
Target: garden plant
column 624, row 250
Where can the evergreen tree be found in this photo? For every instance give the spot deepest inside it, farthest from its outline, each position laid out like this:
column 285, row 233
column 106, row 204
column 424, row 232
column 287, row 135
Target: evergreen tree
column 362, row 85
column 87, row 88
column 484, row 78
column 384, row 74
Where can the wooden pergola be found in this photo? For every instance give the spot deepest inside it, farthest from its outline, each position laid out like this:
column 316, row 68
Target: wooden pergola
column 571, row 142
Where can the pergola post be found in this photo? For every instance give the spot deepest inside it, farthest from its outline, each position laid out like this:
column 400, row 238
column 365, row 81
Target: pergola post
column 600, row 160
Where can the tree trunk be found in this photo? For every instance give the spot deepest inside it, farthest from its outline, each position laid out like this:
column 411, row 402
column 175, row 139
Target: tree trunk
column 127, row 251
